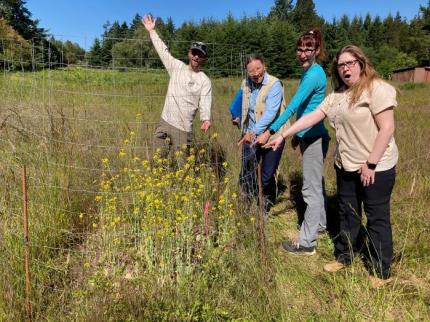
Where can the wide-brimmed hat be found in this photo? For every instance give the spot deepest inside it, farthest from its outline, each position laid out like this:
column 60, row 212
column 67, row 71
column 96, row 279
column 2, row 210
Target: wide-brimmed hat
column 200, row 46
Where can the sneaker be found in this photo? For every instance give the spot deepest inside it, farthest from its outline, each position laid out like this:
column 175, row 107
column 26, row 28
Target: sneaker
column 376, row 282
column 294, row 247
column 334, row 267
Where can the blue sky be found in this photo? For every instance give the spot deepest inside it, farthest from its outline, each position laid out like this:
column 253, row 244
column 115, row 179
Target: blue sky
column 82, row 20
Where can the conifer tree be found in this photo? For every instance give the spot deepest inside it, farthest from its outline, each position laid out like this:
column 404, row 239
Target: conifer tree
column 282, row 10
column 304, row 16
column 19, row 18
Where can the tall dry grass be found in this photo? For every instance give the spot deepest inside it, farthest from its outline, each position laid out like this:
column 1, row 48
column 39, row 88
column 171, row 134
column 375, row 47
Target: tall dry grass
column 92, row 257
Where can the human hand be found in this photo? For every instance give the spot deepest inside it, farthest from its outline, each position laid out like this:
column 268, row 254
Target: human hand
column 367, row 176
column 275, row 143
column 263, row 138
column 205, row 126
column 236, row 121
column 149, row 22
column 249, row 138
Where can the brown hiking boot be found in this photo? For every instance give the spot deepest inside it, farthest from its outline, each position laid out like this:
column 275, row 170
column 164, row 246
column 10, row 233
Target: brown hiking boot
column 376, row 282
column 333, row 267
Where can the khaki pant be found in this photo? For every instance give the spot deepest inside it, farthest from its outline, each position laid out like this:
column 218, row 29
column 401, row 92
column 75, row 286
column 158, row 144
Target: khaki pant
column 167, row 137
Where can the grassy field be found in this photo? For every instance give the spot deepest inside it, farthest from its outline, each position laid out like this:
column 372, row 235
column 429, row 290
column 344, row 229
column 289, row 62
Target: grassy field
column 118, row 236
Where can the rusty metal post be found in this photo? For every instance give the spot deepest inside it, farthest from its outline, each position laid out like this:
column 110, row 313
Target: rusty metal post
column 26, row 244
column 206, row 216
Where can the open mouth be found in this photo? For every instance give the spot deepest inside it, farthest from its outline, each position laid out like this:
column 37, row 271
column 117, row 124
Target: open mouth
column 347, row 76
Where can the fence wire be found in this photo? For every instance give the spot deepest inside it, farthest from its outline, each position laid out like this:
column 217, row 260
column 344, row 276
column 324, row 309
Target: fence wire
column 77, row 127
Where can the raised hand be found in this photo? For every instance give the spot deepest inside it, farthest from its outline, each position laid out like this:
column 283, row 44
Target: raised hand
column 149, row 22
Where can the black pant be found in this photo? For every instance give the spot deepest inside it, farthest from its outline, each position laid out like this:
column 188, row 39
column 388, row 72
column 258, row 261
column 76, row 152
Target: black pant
column 374, row 240
column 251, row 155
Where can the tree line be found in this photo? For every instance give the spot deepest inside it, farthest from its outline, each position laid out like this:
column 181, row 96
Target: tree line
column 391, row 42
column 26, row 46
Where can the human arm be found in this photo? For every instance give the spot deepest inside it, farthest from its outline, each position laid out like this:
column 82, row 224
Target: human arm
column 305, row 90
column 272, row 103
column 301, row 124
column 307, row 86
column 381, row 105
column 385, row 123
column 167, row 59
column 236, row 114
column 236, row 108
column 205, row 105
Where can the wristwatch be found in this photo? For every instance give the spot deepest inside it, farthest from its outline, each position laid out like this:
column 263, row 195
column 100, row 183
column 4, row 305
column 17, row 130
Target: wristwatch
column 272, row 131
column 371, row 166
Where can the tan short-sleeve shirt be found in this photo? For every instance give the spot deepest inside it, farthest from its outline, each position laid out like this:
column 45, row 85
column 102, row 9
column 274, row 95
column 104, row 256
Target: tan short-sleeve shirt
column 356, row 128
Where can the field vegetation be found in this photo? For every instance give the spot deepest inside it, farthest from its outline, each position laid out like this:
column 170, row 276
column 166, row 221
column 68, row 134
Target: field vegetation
column 119, row 234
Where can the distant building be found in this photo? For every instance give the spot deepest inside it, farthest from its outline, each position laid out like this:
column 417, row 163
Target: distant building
column 412, row 74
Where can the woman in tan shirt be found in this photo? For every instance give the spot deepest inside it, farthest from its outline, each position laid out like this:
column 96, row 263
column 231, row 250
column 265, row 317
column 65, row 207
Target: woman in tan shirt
column 361, row 110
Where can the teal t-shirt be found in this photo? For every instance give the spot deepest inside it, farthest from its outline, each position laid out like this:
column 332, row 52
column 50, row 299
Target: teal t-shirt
column 309, row 95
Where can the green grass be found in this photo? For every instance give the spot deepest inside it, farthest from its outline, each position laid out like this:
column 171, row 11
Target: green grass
column 61, row 124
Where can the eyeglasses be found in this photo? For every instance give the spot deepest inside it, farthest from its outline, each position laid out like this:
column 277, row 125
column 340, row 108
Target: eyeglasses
column 307, row 51
column 349, row 64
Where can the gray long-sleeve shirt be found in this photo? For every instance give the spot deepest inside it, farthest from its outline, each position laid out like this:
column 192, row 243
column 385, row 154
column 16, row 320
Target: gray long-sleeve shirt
column 187, row 92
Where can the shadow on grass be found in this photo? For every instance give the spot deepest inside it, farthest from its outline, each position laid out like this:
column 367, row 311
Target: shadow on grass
column 296, row 201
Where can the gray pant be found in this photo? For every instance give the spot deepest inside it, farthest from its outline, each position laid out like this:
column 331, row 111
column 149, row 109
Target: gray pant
column 313, row 153
column 167, row 137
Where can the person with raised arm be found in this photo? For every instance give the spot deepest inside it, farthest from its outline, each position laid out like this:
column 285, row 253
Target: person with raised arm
column 189, row 90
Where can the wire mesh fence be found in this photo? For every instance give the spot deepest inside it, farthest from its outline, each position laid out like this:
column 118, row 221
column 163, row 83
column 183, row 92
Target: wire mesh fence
column 101, row 208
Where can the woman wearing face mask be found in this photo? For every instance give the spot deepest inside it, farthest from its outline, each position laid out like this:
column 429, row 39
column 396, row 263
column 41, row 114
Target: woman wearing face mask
column 255, row 106
column 361, row 110
column 313, row 141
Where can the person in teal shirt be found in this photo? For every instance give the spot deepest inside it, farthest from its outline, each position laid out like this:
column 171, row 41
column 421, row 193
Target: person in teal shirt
column 313, row 141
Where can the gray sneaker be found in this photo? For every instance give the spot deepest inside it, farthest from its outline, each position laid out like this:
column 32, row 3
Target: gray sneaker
column 294, row 247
